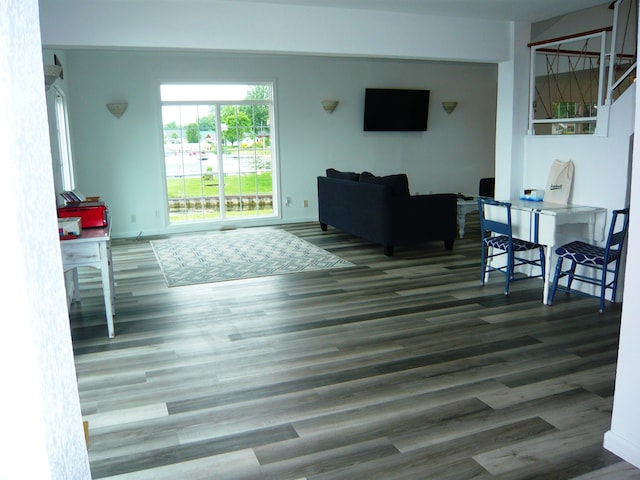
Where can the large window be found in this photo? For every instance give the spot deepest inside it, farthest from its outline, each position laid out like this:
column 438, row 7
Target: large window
column 64, row 150
column 218, row 151
column 573, row 110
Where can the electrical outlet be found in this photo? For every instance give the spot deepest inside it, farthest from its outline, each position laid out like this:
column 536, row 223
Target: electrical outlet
column 306, row 203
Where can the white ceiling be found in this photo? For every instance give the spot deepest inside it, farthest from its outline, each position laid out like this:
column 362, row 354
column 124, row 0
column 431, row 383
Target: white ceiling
column 517, row 10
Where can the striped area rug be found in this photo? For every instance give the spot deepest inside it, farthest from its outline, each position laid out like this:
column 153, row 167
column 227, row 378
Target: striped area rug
column 236, row 254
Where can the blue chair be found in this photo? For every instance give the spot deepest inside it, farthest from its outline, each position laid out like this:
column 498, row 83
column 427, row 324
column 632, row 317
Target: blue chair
column 497, row 241
column 596, row 259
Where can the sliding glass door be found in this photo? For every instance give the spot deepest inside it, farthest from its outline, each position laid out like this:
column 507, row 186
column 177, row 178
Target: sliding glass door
column 219, row 156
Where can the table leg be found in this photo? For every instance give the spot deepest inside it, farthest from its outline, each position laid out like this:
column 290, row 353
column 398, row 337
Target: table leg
column 548, row 250
column 111, row 278
column 107, row 285
column 75, row 286
column 462, row 220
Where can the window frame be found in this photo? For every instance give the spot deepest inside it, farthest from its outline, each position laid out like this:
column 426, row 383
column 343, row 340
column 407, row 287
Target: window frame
column 216, row 104
column 65, row 157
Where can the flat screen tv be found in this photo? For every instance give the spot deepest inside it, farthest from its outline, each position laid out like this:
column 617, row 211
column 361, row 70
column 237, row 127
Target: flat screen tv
column 395, row 110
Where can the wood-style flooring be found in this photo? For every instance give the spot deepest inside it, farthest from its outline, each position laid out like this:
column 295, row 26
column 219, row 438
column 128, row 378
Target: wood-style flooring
column 398, row 368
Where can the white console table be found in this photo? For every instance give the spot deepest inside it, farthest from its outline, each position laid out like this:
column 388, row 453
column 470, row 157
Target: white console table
column 92, row 249
column 465, row 207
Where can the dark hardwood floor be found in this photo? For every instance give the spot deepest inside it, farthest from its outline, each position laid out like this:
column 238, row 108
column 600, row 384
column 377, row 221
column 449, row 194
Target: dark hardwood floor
column 397, row 368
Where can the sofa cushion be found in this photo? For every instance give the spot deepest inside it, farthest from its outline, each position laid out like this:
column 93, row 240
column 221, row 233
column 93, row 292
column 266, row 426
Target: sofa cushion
column 399, row 183
column 333, row 173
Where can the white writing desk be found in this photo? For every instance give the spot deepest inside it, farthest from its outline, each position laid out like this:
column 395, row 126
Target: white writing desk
column 92, row 249
column 553, row 224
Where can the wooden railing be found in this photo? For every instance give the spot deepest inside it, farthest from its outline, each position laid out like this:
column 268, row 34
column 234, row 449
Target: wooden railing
column 231, row 202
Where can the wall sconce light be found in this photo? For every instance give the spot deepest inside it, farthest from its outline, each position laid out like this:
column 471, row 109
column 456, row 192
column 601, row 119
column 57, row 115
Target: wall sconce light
column 449, row 105
column 117, row 109
column 51, row 74
column 329, row 105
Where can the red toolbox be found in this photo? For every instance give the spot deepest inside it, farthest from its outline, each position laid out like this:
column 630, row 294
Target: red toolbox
column 92, row 216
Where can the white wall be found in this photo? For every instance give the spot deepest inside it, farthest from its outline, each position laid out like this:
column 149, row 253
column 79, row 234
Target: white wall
column 256, row 27
column 623, row 438
column 41, row 433
column 512, row 110
column 601, row 163
column 121, row 160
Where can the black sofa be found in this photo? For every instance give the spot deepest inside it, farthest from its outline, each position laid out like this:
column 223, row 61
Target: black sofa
column 381, row 210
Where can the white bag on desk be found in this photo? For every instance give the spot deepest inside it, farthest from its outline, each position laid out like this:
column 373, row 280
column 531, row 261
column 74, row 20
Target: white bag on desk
column 559, row 182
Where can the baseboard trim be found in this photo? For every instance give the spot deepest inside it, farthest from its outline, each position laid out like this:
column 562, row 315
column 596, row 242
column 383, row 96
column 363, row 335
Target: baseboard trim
column 622, row 447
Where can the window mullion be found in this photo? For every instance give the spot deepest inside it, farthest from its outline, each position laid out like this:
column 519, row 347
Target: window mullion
column 220, row 160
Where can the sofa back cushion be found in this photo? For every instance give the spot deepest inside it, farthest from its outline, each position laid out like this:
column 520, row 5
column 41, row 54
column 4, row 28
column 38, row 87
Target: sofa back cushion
column 333, row 173
column 399, row 183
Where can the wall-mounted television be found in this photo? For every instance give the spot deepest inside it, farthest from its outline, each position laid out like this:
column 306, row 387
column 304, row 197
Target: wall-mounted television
column 395, row 110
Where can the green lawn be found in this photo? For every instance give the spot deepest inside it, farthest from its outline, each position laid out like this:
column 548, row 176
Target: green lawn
column 246, row 184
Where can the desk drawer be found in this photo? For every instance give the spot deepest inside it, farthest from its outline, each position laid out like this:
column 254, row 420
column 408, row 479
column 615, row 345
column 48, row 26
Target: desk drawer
column 79, row 254
column 521, row 226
